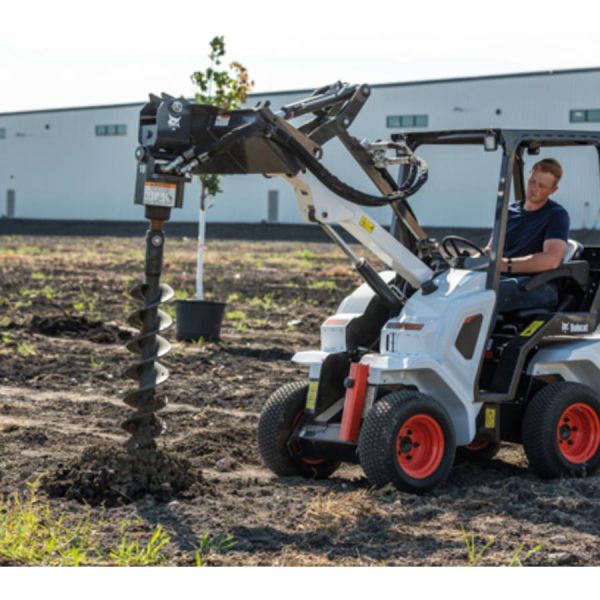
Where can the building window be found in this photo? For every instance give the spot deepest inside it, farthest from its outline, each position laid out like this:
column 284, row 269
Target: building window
column 403, row 121
column 2, row 133
column 103, row 130
column 591, row 115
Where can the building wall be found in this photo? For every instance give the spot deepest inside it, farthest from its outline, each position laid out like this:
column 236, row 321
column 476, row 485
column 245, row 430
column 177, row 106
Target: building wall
column 60, row 169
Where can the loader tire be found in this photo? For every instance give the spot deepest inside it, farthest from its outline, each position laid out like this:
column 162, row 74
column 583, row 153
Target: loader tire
column 408, row 439
column 561, row 431
column 280, row 419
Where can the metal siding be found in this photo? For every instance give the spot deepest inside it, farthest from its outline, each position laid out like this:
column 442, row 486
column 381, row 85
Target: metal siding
column 69, row 172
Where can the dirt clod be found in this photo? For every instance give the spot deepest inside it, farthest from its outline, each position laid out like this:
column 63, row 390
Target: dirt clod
column 71, row 326
column 114, row 476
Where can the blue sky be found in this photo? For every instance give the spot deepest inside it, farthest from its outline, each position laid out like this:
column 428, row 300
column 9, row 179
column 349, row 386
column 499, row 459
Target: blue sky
column 63, row 53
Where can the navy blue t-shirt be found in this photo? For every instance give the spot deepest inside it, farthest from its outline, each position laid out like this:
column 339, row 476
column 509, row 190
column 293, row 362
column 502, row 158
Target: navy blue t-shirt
column 527, row 230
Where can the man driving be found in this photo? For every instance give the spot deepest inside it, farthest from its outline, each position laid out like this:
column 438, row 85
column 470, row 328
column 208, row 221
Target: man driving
column 536, row 239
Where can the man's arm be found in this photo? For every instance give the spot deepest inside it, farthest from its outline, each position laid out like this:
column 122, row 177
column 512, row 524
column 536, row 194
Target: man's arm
column 550, row 258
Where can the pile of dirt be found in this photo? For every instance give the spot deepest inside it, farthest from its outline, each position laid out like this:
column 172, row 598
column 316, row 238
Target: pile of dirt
column 114, row 476
column 79, row 327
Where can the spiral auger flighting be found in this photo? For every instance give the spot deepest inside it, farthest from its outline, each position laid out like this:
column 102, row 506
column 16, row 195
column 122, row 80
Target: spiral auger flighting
column 144, row 425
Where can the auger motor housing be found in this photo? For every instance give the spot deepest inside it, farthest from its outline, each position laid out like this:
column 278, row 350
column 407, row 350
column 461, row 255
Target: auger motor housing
column 179, row 137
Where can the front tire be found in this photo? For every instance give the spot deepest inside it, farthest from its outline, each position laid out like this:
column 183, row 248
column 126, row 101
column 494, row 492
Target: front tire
column 280, row 420
column 561, row 431
column 408, row 439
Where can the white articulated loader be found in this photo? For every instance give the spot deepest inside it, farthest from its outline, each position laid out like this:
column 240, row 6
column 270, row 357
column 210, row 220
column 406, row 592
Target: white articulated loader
column 415, row 366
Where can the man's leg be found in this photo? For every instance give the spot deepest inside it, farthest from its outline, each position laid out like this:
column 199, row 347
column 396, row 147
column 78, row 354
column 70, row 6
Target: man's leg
column 512, row 297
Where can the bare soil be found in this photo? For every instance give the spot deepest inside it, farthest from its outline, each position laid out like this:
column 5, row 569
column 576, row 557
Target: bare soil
column 63, row 307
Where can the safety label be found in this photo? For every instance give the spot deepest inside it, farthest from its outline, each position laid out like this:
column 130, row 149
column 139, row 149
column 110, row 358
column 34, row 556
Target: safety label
column 311, row 396
column 531, row 328
column 222, row 120
column 490, row 418
column 158, row 193
column 367, row 225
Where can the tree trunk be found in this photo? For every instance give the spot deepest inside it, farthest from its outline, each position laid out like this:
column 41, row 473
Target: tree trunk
column 201, row 245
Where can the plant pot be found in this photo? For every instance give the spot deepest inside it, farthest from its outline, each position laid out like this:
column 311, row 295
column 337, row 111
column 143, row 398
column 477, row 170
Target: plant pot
column 197, row 319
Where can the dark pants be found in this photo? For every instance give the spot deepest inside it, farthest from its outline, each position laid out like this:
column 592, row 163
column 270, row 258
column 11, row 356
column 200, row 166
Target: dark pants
column 511, row 296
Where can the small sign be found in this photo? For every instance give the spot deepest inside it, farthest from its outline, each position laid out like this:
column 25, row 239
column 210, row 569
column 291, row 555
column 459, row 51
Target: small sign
column 311, row 396
column 490, row 418
column 222, row 120
column 367, row 225
column 531, row 328
column 158, row 193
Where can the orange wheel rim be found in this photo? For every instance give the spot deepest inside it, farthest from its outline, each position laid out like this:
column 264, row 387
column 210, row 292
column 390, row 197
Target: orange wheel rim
column 420, row 446
column 578, row 433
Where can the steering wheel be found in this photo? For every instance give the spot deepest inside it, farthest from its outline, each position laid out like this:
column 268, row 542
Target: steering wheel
column 451, row 245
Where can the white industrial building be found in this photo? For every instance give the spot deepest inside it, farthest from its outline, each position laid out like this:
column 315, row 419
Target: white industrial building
column 78, row 163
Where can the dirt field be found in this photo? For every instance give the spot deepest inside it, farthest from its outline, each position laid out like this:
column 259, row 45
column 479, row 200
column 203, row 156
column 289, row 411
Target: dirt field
column 63, row 304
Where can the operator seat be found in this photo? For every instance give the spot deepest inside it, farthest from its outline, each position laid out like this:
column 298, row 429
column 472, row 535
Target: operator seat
column 571, row 279
column 573, row 251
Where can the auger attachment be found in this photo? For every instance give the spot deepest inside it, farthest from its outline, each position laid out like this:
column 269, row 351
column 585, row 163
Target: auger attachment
column 144, row 425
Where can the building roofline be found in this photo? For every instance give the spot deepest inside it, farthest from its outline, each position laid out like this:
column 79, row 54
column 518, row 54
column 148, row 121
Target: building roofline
column 43, row 111
column 310, row 90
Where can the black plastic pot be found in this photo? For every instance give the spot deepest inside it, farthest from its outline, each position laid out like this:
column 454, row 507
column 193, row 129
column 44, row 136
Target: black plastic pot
column 197, row 319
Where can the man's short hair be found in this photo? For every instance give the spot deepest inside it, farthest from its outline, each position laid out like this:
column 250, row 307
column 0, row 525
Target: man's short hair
column 549, row 165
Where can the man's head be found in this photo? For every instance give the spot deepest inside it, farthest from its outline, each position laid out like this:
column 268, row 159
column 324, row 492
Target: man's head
column 542, row 181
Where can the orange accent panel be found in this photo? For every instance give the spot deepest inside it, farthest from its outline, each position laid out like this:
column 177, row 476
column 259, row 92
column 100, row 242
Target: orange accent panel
column 354, row 403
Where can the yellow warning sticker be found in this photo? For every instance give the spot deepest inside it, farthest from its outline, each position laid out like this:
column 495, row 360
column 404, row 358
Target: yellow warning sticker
column 367, row 225
column 490, row 418
column 311, row 396
column 531, row 328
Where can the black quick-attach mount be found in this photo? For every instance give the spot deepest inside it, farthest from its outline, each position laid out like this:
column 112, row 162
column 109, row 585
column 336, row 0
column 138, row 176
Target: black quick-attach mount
column 179, row 138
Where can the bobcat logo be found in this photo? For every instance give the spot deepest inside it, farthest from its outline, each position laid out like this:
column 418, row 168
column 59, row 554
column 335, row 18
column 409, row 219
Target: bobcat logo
column 174, row 122
column 574, row 328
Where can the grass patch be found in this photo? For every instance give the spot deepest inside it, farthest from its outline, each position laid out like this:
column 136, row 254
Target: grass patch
column 208, row 544
column 328, row 285
column 31, row 535
column 239, row 319
column 86, row 304
column 476, row 552
column 306, row 254
column 132, row 553
column 265, row 302
column 25, row 349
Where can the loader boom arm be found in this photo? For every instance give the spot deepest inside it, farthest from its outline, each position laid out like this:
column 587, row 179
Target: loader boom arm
column 179, row 139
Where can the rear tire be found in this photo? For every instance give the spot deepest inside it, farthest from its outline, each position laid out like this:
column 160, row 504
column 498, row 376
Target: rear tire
column 279, row 421
column 561, row 431
column 408, row 439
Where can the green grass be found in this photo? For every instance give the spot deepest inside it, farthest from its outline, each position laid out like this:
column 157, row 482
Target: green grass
column 207, row 544
column 239, row 319
column 476, row 552
column 86, row 304
column 31, row 535
column 25, row 349
column 306, row 255
column 96, row 364
column 132, row 553
column 265, row 302
column 328, row 285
